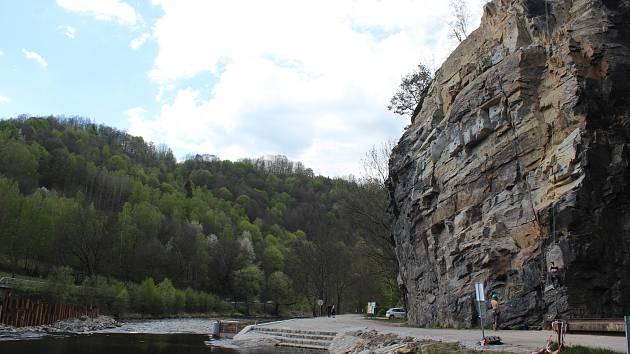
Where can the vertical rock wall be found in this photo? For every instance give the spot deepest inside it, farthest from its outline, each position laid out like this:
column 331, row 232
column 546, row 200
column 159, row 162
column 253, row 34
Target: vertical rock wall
column 518, row 157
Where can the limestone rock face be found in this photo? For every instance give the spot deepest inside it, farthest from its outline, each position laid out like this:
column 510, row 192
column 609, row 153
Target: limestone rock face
column 519, row 157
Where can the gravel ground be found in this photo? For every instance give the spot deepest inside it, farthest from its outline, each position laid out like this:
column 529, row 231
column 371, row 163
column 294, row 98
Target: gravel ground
column 514, row 341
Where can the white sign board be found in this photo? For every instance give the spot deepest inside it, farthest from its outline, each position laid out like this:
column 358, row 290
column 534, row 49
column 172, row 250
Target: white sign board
column 320, row 302
column 479, row 292
column 371, row 308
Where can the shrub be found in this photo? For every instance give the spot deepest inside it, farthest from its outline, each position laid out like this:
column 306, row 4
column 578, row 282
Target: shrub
column 61, row 284
column 118, row 297
column 147, row 298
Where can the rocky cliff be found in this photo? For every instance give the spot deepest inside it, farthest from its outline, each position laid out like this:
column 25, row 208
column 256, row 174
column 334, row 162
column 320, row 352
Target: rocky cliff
column 518, row 157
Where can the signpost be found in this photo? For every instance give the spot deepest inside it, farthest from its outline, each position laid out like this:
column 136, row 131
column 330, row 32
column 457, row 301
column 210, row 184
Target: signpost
column 481, row 299
column 320, row 303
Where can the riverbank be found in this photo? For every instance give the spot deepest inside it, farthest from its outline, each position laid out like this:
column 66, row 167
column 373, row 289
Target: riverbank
column 353, row 332
column 80, row 325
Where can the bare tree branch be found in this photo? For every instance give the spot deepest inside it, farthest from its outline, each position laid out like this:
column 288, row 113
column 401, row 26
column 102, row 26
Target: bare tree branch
column 460, row 20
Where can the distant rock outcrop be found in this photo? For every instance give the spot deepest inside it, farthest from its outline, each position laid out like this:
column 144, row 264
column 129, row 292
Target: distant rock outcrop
column 519, row 156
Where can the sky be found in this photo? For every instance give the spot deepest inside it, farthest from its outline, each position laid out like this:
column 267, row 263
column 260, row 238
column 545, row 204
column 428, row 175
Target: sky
column 240, row 78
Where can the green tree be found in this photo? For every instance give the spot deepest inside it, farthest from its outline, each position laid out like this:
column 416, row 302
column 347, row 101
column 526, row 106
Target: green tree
column 19, row 163
column 413, row 88
column 247, row 283
column 280, row 290
column 10, row 210
column 173, row 300
column 273, row 259
column 225, row 193
column 147, row 298
column 60, row 282
column 118, row 297
column 201, row 178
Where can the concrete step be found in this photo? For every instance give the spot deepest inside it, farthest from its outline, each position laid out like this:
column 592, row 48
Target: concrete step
column 296, row 335
column 292, row 331
column 308, row 336
column 303, row 346
column 322, row 343
column 298, row 338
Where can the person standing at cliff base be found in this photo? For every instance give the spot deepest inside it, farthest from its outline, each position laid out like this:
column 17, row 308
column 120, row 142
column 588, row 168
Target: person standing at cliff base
column 496, row 311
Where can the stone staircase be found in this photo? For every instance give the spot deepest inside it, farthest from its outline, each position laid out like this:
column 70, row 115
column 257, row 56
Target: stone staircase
column 297, row 338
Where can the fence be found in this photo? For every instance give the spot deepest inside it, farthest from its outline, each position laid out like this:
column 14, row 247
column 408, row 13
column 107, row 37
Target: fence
column 20, row 312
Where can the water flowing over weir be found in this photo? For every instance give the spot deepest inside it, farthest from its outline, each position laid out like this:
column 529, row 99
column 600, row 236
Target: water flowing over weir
column 518, row 158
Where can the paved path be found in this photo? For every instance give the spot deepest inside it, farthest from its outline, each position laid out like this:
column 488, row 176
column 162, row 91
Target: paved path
column 517, row 341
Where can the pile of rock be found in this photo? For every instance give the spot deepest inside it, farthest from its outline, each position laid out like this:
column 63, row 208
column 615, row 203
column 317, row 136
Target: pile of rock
column 84, row 324
column 363, row 342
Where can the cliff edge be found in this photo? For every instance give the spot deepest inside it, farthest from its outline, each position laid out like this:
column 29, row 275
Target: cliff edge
column 518, row 157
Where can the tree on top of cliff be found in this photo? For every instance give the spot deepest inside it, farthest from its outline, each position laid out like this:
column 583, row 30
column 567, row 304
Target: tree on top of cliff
column 459, row 22
column 413, row 88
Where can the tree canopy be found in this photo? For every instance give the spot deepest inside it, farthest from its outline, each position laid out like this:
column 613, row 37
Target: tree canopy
column 411, row 92
column 106, row 203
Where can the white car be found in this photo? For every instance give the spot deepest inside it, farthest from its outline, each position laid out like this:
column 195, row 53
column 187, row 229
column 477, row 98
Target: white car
column 396, row 312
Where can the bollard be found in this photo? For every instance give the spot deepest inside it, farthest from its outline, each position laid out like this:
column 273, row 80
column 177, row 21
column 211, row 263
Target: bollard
column 627, row 321
column 215, row 329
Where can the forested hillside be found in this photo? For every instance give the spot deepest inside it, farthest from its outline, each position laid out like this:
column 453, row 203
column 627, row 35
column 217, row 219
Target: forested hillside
column 105, row 203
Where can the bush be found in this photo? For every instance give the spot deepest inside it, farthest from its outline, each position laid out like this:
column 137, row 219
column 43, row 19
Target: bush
column 118, row 297
column 147, row 298
column 191, row 298
column 173, row 300
column 166, row 292
column 61, row 284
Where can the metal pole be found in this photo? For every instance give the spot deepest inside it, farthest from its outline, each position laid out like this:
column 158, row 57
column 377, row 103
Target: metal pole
column 483, row 335
column 627, row 320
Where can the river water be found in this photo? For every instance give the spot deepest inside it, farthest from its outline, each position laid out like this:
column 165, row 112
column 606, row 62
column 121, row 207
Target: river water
column 171, row 336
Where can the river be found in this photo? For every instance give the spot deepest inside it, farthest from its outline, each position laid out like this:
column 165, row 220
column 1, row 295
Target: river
column 170, row 336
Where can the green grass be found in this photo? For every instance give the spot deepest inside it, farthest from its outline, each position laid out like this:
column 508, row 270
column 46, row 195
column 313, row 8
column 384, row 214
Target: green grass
column 584, row 350
column 578, row 349
column 450, row 348
column 456, row 348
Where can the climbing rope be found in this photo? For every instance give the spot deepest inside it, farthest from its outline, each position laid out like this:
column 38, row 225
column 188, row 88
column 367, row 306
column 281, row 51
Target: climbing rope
column 529, row 189
column 547, row 20
column 517, row 152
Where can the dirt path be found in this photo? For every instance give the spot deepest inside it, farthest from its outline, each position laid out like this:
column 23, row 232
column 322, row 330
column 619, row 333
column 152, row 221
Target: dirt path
column 515, row 341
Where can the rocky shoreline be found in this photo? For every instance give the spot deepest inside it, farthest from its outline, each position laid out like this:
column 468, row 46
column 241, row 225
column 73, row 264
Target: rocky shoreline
column 80, row 325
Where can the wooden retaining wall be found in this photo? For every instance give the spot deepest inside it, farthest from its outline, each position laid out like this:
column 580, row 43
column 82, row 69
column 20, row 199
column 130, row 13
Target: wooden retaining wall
column 21, row 312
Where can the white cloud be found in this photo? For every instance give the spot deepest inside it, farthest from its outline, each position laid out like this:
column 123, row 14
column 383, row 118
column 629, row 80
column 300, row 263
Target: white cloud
column 139, row 41
column 4, row 99
column 31, row 55
column 105, row 10
column 310, row 80
column 69, row 31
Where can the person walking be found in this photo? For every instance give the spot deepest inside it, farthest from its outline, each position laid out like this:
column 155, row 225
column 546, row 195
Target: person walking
column 496, row 311
column 328, row 310
column 333, row 311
